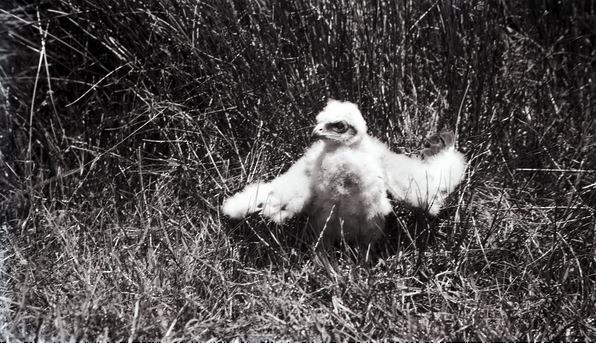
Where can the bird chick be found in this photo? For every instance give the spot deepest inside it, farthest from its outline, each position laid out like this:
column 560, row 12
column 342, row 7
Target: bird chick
column 344, row 180
column 347, row 181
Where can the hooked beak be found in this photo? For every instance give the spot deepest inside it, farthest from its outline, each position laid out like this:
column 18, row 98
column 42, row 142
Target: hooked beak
column 317, row 133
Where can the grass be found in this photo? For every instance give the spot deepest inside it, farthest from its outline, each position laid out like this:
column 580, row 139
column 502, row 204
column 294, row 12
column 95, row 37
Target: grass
column 125, row 124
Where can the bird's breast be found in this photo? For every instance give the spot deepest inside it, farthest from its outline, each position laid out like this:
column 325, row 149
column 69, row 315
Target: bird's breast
column 339, row 174
column 349, row 192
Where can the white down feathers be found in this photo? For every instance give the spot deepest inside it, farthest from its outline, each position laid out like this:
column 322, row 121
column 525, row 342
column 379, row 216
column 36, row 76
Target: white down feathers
column 342, row 181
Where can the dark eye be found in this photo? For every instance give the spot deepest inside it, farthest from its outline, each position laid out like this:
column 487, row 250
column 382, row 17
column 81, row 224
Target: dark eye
column 339, row 127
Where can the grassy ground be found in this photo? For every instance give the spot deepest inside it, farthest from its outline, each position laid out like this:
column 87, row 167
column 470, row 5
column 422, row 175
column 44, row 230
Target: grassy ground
column 124, row 124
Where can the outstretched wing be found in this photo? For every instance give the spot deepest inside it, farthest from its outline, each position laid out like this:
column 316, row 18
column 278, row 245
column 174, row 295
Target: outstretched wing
column 280, row 199
column 248, row 201
column 426, row 183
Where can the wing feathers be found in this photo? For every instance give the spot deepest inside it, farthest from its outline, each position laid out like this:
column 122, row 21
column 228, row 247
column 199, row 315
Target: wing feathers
column 280, row 199
column 424, row 183
column 250, row 200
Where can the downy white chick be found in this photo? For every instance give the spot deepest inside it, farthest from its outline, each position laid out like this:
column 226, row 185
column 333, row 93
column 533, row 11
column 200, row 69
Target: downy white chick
column 343, row 180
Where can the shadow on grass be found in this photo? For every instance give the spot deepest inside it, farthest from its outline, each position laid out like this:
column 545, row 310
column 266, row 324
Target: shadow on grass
column 265, row 244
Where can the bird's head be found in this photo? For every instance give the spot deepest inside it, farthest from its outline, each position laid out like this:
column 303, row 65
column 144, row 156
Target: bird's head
column 340, row 123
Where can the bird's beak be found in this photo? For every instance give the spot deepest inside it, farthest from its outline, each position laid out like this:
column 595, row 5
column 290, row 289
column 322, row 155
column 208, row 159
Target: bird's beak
column 317, row 132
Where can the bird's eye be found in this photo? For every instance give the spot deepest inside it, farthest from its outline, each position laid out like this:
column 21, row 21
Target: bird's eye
column 339, row 127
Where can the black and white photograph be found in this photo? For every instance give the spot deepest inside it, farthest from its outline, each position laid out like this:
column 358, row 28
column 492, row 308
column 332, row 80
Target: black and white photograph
column 261, row 171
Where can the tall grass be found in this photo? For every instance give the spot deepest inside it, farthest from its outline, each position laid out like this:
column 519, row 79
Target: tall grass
column 125, row 124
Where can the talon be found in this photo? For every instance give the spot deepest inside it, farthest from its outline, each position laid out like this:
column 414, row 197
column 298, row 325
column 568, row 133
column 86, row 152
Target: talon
column 434, row 139
column 447, row 138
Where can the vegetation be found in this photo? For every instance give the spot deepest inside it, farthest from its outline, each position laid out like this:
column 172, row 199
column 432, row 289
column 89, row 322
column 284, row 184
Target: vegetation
column 126, row 123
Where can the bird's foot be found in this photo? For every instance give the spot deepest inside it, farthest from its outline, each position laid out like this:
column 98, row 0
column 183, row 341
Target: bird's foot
column 437, row 142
